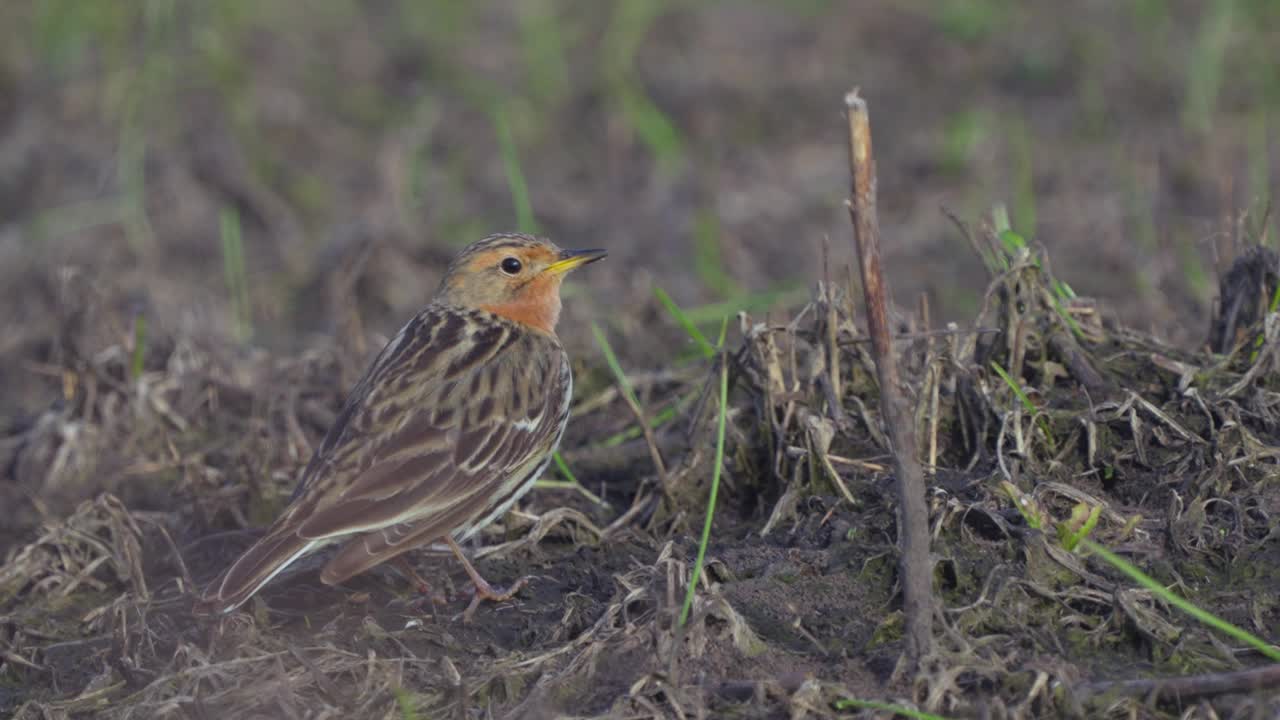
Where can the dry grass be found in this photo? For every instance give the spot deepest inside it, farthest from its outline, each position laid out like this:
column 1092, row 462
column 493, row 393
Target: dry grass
column 796, row 609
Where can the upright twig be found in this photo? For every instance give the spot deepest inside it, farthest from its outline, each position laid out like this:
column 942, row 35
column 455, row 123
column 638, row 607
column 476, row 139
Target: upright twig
column 913, row 516
column 833, row 325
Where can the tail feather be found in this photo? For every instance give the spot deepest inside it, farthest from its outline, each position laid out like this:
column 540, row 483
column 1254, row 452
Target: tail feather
column 363, row 552
column 253, row 569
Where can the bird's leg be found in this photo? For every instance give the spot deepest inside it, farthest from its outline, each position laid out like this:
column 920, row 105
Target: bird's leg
column 484, row 591
column 424, row 588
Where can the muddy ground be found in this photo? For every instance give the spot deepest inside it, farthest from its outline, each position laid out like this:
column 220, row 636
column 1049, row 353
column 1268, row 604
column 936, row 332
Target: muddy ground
column 212, row 216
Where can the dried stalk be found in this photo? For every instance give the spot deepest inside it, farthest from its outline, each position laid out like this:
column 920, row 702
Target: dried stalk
column 913, row 515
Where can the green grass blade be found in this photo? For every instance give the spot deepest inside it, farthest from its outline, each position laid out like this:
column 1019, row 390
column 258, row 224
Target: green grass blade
column 1014, row 245
column 751, row 302
column 1026, row 401
column 540, row 33
column 1084, row 519
column 708, row 260
column 1000, row 218
column 652, row 126
column 628, row 26
column 1066, row 317
column 1017, row 390
column 683, row 321
column 1204, row 616
column 233, row 267
column 404, row 701
column 563, row 467
column 663, row 416
column 851, row 704
column 1024, row 191
column 1262, row 338
column 715, row 487
column 570, row 482
column 1013, row 242
column 611, row 360
column 1205, row 66
column 137, row 362
column 1026, row 506
column 515, row 174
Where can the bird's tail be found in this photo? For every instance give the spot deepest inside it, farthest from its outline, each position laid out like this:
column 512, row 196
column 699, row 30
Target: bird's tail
column 253, row 569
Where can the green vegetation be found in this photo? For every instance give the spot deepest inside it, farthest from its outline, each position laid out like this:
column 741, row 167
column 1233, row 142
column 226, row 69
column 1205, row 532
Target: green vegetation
column 233, row 269
column 570, row 482
column 630, row 22
column 897, row 710
column 708, row 261
column 1205, row 617
column 964, row 133
column 137, row 361
column 1073, row 535
column 971, row 22
column 1024, row 191
column 611, row 359
column 1206, row 65
column 407, row 705
column 211, row 48
column 722, row 412
column 704, row 346
column 515, row 174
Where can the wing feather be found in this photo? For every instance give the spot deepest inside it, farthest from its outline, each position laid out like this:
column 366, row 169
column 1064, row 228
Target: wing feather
column 448, row 450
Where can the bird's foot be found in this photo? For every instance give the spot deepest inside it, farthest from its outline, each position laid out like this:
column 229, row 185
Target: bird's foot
column 484, row 591
column 427, row 595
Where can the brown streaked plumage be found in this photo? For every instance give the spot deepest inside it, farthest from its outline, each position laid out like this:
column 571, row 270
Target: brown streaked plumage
column 448, row 428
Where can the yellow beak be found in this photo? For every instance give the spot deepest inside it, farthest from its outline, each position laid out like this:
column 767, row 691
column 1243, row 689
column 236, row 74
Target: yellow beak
column 570, row 259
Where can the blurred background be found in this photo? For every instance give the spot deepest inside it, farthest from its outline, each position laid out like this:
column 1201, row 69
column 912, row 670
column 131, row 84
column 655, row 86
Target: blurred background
column 272, row 174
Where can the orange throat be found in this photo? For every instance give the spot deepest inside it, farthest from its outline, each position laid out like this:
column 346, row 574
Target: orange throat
column 538, row 308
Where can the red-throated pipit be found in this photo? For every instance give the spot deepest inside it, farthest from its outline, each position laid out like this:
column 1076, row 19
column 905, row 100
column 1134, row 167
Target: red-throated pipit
column 449, row 427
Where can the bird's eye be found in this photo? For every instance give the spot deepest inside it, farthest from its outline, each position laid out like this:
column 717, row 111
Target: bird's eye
column 511, row 266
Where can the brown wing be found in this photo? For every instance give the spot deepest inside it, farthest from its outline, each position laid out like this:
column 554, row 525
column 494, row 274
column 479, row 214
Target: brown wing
column 455, row 407
column 496, row 483
column 441, row 430
column 505, row 417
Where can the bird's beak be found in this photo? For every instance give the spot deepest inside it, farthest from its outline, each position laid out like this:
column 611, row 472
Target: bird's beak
column 570, row 259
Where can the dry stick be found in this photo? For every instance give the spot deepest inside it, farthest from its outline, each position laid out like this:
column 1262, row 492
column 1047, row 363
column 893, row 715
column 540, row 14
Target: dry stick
column 922, row 335
column 1077, row 362
column 1186, row 688
column 833, row 328
column 913, row 516
column 933, row 369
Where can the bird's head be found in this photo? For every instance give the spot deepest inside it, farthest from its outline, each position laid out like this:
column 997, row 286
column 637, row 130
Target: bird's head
column 515, row 276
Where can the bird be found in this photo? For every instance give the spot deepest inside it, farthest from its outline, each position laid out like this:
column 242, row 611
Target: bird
column 447, row 429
